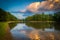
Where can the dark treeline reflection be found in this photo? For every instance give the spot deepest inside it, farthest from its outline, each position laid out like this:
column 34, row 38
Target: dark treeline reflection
column 57, row 25
column 20, row 30
column 40, row 25
column 12, row 25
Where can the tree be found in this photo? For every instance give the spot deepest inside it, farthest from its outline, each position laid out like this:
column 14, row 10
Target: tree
column 57, row 17
column 40, row 17
column 6, row 16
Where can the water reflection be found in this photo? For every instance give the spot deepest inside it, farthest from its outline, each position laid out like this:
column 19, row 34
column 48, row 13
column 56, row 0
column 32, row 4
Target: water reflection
column 34, row 31
column 19, row 32
column 40, row 25
column 57, row 26
column 12, row 25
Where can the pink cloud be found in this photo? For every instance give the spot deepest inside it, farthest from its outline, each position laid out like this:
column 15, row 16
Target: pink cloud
column 33, row 6
column 47, row 5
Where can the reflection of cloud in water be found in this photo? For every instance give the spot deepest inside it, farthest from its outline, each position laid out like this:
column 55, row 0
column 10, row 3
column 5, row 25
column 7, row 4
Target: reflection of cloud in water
column 22, row 27
column 20, row 31
column 23, row 32
column 50, row 30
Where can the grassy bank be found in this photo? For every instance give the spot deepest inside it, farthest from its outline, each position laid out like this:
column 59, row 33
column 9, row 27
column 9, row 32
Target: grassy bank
column 3, row 26
column 4, row 31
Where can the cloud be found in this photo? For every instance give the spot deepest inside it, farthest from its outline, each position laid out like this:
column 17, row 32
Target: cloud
column 47, row 5
column 33, row 6
column 39, row 7
column 23, row 11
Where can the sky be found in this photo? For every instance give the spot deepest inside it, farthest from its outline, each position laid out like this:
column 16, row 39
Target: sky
column 23, row 8
column 16, row 5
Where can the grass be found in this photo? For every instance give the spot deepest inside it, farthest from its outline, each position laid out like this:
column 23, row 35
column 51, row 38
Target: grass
column 3, row 26
column 5, row 31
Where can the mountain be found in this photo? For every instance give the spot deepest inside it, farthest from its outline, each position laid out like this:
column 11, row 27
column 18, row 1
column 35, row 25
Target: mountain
column 6, row 16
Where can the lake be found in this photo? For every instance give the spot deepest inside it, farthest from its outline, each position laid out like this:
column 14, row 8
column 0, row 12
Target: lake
column 35, row 31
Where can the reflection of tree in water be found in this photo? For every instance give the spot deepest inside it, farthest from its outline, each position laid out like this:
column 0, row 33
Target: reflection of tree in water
column 57, row 25
column 39, row 25
column 12, row 25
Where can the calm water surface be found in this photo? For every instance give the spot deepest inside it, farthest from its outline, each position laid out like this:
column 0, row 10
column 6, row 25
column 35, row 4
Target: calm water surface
column 35, row 31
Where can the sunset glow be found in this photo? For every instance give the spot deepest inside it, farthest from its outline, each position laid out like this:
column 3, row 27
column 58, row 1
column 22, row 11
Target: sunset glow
column 56, row 0
column 51, row 5
column 34, row 6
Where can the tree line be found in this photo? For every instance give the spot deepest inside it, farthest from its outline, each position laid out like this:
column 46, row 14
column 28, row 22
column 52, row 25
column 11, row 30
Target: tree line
column 40, row 17
column 44, row 17
column 6, row 16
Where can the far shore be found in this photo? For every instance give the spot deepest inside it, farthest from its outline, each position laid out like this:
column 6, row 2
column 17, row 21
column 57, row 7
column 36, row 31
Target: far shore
column 41, row 21
column 27, row 21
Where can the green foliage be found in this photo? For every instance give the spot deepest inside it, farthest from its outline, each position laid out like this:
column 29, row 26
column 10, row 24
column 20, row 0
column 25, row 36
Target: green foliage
column 57, row 25
column 39, row 25
column 5, row 31
column 6, row 16
column 56, row 17
column 2, row 28
column 12, row 25
column 40, row 17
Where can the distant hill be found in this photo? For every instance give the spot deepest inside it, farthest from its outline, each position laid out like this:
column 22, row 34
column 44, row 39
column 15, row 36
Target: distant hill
column 40, row 17
column 57, row 17
column 6, row 16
